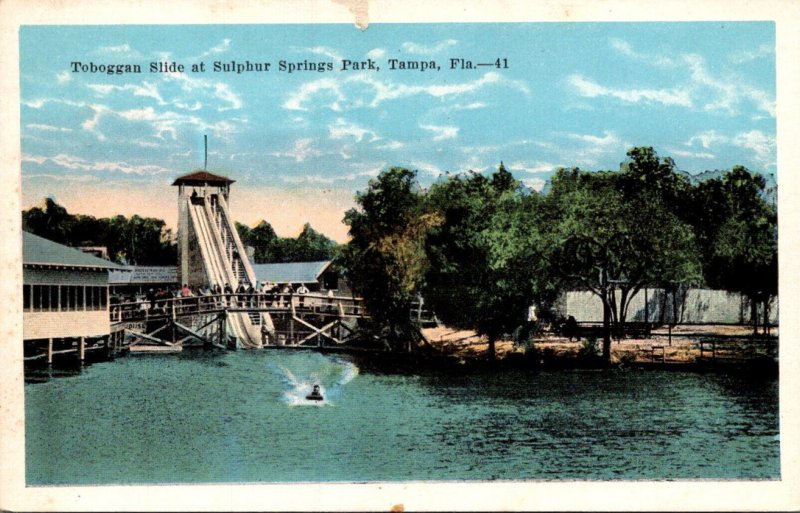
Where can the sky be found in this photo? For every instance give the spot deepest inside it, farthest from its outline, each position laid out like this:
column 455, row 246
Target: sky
column 301, row 144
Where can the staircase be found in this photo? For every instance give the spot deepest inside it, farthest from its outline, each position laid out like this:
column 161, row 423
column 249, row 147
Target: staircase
column 225, row 261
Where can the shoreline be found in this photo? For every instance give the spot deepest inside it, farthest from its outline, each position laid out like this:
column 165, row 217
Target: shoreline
column 448, row 351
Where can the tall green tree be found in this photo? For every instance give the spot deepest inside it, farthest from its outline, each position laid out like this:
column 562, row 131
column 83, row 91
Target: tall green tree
column 385, row 259
column 738, row 230
column 607, row 239
column 486, row 255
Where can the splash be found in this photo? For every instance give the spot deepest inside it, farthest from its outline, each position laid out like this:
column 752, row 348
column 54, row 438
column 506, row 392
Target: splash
column 330, row 375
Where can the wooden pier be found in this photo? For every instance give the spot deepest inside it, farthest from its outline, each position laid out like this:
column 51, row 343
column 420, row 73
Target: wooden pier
column 285, row 320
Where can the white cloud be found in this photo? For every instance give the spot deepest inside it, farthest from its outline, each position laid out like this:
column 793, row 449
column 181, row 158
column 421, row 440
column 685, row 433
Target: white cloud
column 441, row 133
column 591, row 147
column 90, row 125
column 419, row 49
column 47, row 128
column 119, row 51
column 691, row 154
column 40, row 102
column 592, row 89
column 706, row 139
column 162, row 124
column 342, row 128
column 762, row 145
column 302, row 150
column 61, row 178
column 376, row 53
column 222, row 47
column 216, row 90
column 36, row 159
column 391, row 145
column 469, row 106
column 188, row 106
column 609, row 139
column 536, row 184
column 124, row 48
column 726, row 93
column 627, row 50
column 427, row 167
column 78, row 163
column 34, row 104
column 325, row 51
column 331, row 89
column 330, row 179
column 763, row 50
column 146, row 89
column 146, row 144
column 325, row 86
column 63, row 77
column 533, row 167
column 702, row 88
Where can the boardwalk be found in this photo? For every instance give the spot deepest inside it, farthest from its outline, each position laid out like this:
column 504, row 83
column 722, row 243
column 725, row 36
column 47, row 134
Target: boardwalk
column 286, row 320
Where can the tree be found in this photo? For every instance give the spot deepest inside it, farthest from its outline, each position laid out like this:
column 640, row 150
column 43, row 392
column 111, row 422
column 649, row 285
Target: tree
column 313, row 246
column 309, row 245
column 138, row 240
column 738, row 233
column 385, row 259
column 609, row 237
column 486, row 254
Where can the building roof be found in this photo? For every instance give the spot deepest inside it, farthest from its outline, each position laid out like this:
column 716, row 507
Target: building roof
column 292, row 272
column 40, row 251
column 142, row 274
column 200, row 177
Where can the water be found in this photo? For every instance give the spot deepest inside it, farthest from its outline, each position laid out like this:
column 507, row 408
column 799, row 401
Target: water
column 241, row 417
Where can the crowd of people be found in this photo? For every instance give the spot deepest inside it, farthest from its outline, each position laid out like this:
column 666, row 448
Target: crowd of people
column 245, row 295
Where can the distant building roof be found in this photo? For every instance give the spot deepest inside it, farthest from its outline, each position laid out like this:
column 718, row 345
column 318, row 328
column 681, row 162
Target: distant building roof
column 201, row 177
column 40, row 251
column 292, row 272
column 142, row 274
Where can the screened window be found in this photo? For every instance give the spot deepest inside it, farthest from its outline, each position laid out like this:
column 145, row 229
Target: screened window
column 37, row 298
column 26, row 297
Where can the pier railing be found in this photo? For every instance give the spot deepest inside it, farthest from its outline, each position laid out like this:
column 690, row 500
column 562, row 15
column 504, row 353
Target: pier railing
column 339, row 306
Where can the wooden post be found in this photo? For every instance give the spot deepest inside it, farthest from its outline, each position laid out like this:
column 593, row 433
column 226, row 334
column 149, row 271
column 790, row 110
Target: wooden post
column 49, row 351
column 670, row 335
column 81, row 348
column 291, row 330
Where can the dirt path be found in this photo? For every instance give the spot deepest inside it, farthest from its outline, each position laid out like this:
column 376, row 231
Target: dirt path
column 684, row 345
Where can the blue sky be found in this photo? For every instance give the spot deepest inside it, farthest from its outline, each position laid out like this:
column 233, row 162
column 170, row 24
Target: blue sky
column 300, row 145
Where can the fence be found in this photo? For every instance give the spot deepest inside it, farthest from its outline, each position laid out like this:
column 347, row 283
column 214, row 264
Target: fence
column 688, row 306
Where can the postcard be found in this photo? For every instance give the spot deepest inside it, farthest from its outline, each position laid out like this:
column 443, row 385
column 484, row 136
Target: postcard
column 347, row 256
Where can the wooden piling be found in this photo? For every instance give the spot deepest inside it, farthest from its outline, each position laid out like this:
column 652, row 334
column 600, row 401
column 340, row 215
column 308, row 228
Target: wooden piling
column 49, row 351
column 81, row 348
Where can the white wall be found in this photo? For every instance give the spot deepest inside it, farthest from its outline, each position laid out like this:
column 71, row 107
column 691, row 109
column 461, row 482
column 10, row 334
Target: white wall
column 700, row 306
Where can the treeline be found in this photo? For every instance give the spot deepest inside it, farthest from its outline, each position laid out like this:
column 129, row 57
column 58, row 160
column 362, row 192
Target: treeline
column 148, row 241
column 480, row 249
column 309, row 246
column 135, row 240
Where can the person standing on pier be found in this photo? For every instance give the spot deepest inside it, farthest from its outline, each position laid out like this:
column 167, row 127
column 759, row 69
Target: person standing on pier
column 228, row 292
column 151, row 297
column 301, row 291
column 241, row 290
column 287, row 289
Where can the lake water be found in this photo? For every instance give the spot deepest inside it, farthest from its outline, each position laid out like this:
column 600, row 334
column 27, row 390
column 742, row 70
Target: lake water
column 203, row 417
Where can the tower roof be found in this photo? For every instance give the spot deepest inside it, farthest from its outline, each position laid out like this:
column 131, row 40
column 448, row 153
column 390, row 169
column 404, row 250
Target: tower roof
column 201, row 177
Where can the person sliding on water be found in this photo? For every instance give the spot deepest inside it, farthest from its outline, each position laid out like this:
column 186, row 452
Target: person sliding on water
column 315, row 395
